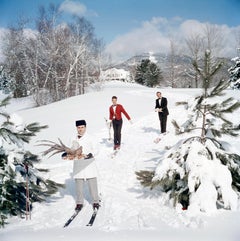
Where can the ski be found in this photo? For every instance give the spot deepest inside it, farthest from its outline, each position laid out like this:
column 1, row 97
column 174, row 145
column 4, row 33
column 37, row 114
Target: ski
column 109, row 126
column 161, row 136
column 71, row 218
column 92, row 219
column 157, row 140
column 114, row 153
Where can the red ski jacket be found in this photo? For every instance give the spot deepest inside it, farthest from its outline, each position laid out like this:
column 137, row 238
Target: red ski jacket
column 118, row 113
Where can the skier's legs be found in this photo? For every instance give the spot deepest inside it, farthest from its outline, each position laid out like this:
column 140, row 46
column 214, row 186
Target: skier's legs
column 93, row 188
column 163, row 123
column 119, row 129
column 160, row 121
column 79, row 190
column 114, row 123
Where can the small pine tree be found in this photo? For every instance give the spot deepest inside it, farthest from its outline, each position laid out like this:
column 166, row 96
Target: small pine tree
column 234, row 73
column 198, row 172
column 17, row 172
column 148, row 74
column 4, row 82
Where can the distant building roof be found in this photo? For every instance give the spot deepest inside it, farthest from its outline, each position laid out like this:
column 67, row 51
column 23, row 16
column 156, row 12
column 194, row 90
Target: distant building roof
column 115, row 74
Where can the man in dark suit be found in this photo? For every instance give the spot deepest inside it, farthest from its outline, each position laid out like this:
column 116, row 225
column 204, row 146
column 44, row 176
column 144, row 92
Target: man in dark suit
column 161, row 108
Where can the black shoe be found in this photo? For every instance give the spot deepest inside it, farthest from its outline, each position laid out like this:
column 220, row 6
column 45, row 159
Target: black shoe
column 78, row 207
column 96, row 206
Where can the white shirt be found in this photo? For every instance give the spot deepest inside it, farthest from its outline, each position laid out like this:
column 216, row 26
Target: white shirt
column 159, row 101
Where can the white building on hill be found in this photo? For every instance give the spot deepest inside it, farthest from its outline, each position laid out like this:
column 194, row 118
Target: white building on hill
column 115, row 74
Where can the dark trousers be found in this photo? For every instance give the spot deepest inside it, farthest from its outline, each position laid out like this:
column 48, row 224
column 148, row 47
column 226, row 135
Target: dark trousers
column 117, row 127
column 163, row 122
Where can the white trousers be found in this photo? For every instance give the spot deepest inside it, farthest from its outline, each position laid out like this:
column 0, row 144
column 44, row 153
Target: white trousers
column 93, row 189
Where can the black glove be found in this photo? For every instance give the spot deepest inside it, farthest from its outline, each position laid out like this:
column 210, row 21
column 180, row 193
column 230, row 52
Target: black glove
column 88, row 156
column 64, row 155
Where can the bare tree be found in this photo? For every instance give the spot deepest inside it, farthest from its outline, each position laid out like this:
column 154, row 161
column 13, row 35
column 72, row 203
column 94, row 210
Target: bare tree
column 210, row 39
column 237, row 37
column 13, row 50
column 172, row 63
column 213, row 39
column 195, row 46
column 58, row 61
column 52, row 50
column 176, row 74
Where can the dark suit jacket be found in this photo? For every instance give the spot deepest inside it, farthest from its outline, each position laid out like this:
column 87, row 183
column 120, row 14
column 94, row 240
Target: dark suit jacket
column 163, row 106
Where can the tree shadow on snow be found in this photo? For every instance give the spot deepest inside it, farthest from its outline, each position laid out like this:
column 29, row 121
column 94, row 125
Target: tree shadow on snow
column 150, row 129
column 106, row 142
column 158, row 155
column 145, row 192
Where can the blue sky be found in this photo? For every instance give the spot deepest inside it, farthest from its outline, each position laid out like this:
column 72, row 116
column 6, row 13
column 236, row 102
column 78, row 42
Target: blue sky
column 115, row 21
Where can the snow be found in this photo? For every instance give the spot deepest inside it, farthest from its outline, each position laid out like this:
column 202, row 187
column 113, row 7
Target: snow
column 129, row 211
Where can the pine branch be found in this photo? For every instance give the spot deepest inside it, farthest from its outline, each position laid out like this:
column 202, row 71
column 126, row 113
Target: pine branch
column 197, row 69
column 177, row 127
column 5, row 101
column 181, row 103
column 198, row 138
column 225, row 107
column 145, row 177
column 227, row 101
column 216, row 68
column 12, row 136
column 52, row 187
column 226, row 129
column 219, row 115
column 34, row 127
column 232, row 108
column 218, row 89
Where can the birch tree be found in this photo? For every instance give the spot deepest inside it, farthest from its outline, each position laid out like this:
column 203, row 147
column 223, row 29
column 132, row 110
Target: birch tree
column 56, row 61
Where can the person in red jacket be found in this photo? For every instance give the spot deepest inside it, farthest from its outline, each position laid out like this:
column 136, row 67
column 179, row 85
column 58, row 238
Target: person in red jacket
column 115, row 116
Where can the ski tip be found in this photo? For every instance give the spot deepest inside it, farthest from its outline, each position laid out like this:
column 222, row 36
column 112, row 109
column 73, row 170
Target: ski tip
column 157, row 140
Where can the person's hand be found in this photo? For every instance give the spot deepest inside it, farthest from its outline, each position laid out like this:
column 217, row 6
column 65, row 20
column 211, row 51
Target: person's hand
column 70, row 156
column 131, row 122
column 157, row 110
column 64, row 156
column 88, row 156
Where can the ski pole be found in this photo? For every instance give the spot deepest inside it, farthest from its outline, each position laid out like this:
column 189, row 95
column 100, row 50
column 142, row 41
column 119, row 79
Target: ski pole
column 28, row 212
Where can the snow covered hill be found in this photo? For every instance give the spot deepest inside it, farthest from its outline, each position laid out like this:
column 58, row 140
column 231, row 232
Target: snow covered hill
column 128, row 211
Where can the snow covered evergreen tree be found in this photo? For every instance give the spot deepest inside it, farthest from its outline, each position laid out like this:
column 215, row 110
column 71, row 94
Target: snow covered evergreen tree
column 234, row 72
column 21, row 183
column 5, row 83
column 148, row 73
column 199, row 172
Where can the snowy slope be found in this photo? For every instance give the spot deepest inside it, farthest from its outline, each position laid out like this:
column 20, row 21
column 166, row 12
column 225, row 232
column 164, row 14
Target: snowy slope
column 128, row 211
